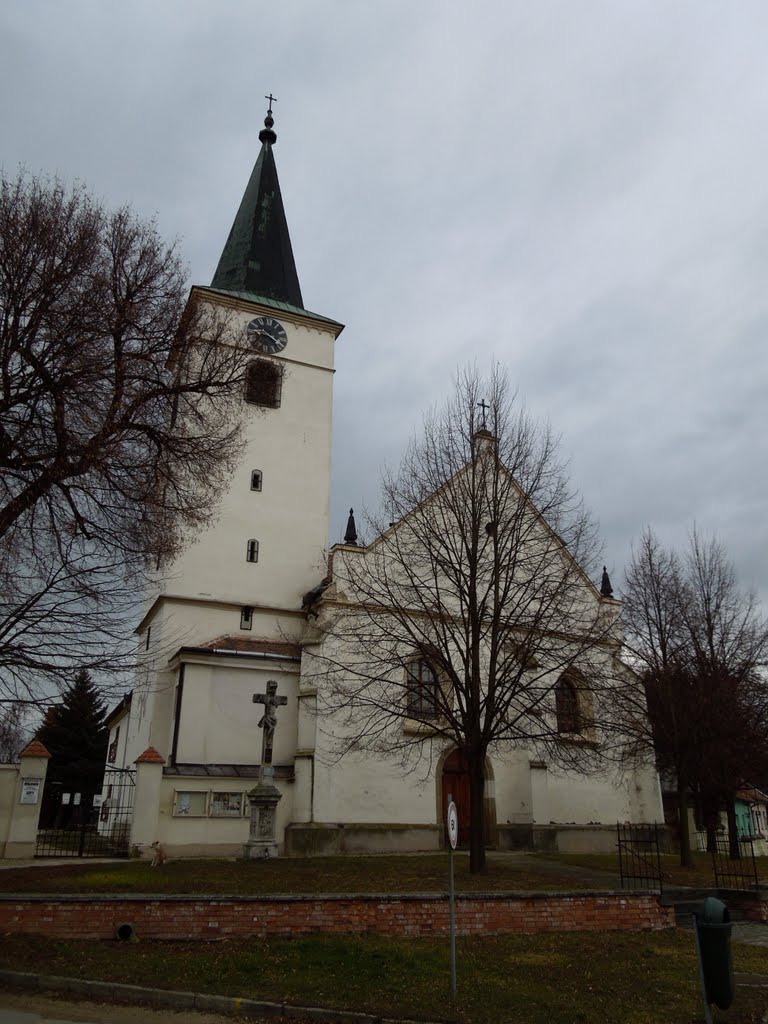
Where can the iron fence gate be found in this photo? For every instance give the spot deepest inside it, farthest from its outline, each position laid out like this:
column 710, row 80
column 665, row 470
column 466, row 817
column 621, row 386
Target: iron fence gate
column 89, row 824
column 734, row 874
column 639, row 856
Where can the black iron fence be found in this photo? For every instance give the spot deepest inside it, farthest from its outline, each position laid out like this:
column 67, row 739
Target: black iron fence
column 639, row 856
column 89, row 824
column 734, row 873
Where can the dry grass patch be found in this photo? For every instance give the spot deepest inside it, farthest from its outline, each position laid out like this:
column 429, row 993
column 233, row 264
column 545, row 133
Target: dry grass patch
column 700, row 875
column 427, row 873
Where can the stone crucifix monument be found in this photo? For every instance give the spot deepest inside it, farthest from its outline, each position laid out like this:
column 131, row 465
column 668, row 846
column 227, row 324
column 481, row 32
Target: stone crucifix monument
column 264, row 796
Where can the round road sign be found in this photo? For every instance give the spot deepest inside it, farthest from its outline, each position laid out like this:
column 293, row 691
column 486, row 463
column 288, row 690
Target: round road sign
column 453, row 825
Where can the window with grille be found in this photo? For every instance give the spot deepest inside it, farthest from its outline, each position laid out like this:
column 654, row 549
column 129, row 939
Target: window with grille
column 567, row 708
column 264, row 383
column 421, row 684
column 252, row 551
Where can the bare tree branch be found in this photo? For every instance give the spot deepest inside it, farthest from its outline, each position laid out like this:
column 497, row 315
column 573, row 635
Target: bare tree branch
column 700, row 644
column 482, row 578
column 119, row 423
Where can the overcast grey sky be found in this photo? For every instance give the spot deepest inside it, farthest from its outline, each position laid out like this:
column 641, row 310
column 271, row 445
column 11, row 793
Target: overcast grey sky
column 577, row 188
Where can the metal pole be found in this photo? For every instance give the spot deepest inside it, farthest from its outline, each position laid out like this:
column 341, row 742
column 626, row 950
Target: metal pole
column 451, row 912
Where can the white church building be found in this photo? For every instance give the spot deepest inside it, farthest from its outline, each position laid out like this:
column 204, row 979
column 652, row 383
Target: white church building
column 243, row 606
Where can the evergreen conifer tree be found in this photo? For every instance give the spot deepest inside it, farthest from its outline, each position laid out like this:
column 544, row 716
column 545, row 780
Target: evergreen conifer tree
column 76, row 738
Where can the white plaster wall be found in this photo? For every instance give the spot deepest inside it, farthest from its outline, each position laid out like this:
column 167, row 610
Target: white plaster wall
column 122, row 724
column 303, row 796
column 373, row 791
column 289, row 516
column 9, row 773
column 582, row 800
column 140, row 719
column 211, row 832
column 307, row 722
column 219, row 721
column 513, row 788
column 194, row 623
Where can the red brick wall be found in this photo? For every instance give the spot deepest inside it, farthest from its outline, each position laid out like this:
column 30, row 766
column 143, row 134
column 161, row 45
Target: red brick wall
column 750, row 906
column 190, row 917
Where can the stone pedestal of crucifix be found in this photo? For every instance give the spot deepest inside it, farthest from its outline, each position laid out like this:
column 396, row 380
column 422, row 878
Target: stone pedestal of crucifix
column 265, row 796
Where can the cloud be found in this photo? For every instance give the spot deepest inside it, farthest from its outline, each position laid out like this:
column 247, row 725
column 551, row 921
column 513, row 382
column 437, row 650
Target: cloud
column 576, row 190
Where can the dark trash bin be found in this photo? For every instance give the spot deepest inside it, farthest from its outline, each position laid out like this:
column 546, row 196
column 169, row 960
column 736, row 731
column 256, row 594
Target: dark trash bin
column 713, row 926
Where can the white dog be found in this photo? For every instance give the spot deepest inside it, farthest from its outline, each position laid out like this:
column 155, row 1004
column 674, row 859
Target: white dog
column 158, row 855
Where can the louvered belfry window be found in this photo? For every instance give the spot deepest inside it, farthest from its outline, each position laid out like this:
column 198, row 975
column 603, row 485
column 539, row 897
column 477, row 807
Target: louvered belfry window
column 264, row 383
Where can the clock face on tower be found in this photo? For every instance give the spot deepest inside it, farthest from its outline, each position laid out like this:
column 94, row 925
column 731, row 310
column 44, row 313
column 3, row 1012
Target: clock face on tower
column 266, row 334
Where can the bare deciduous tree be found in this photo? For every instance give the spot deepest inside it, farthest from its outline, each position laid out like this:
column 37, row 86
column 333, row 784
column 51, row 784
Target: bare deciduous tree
column 117, row 422
column 700, row 642
column 13, row 732
column 469, row 619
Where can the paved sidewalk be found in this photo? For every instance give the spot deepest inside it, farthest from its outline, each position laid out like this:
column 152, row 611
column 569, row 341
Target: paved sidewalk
column 538, row 862
column 58, row 862
column 753, row 933
column 189, row 1003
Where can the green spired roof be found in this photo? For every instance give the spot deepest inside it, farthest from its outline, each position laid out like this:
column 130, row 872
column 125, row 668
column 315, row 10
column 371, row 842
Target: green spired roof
column 257, row 258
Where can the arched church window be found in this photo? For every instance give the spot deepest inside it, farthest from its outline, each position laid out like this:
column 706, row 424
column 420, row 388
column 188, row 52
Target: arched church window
column 567, row 708
column 264, row 383
column 421, row 689
column 112, row 752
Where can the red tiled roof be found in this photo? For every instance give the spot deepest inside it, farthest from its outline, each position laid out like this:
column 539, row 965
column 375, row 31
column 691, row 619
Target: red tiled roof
column 252, row 645
column 34, row 749
column 150, row 756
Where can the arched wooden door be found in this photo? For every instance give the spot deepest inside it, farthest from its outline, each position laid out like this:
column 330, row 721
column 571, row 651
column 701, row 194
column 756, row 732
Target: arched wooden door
column 455, row 782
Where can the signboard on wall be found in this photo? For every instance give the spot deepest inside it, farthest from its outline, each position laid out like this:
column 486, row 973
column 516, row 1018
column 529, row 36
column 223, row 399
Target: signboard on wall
column 30, row 790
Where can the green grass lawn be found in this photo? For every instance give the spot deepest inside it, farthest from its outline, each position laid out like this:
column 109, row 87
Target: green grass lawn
column 313, row 875
column 569, row 978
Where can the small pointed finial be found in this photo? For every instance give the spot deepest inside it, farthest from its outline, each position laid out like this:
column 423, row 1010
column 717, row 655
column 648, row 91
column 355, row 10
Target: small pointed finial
column 266, row 134
column 350, row 537
column 606, row 590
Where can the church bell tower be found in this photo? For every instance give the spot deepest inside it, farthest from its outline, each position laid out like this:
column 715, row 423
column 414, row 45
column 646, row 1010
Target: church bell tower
column 268, row 545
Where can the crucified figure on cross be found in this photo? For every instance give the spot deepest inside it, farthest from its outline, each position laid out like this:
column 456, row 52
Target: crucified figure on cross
column 268, row 720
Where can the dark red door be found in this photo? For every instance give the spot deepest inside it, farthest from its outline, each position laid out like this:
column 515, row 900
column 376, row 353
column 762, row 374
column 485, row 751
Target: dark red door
column 456, row 783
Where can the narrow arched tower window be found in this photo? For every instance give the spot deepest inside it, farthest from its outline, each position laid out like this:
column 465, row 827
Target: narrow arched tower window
column 252, row 551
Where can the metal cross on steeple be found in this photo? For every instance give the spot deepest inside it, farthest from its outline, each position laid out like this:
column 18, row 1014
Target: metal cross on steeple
column 484, row 405
column 272, row 99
